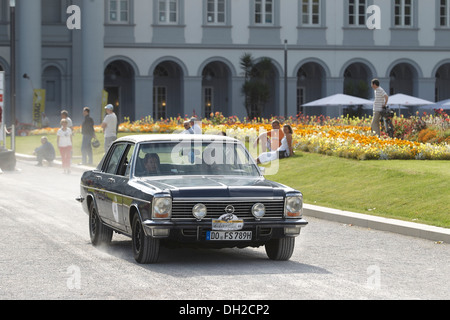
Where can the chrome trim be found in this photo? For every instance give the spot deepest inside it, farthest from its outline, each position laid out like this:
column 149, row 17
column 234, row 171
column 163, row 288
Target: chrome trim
column 115, row 193
column 227, row 199
column 274, row 208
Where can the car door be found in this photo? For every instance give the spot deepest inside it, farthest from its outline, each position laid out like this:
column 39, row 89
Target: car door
column 121, row 187
column 109, row 197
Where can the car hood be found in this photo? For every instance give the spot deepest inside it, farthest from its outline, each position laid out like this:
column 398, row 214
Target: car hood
column 216, row 186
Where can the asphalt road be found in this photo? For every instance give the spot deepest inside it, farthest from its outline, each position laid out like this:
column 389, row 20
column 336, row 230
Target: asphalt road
column 45, row 253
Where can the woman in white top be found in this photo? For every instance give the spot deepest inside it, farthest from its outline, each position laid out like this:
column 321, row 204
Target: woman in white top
column 64, row 142
column 284, row 151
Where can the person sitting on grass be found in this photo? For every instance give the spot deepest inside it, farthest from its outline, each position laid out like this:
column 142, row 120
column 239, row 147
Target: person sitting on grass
column 284, row 151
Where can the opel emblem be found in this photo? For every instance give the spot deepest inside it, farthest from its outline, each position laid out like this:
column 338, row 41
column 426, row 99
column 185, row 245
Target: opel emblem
column 229, row 209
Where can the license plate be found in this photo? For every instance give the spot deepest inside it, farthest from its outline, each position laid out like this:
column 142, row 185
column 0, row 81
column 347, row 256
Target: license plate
column 229, row 235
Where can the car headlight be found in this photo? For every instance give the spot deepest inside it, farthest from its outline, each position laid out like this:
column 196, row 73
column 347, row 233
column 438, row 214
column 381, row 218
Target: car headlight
column 258, row 210
column 293, row 206
column 199, row 211
column 162, row 207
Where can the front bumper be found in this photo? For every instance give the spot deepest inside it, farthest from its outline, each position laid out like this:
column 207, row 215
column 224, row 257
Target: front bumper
column 195, row 231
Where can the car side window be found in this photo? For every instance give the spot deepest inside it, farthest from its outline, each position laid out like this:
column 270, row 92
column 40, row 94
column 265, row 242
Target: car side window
column 126, row 165
column 114, row 160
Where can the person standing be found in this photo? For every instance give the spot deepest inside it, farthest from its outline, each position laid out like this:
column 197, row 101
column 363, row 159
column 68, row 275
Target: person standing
column 88, row 132
column 187, row 128
column 194, row 125
column 64, row 142
column 379, row 103
column 65, row 115
column 45, row 122
column 109, row 126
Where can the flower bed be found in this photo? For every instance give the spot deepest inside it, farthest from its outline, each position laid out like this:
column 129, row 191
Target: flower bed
column 422, row 138
column 359, row 143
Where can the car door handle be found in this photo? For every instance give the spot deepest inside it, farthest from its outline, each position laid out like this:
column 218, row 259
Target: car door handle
column 98, row 177
column 111, row 180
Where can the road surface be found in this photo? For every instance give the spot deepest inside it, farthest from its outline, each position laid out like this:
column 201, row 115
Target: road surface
column 45, row 253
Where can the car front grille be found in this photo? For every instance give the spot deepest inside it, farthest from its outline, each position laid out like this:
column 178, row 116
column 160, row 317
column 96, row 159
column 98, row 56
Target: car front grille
column 243, row 208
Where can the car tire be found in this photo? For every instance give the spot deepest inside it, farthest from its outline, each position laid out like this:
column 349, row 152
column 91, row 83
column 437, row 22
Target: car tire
column 99, row 233
column 145, row 248
column 280, row 249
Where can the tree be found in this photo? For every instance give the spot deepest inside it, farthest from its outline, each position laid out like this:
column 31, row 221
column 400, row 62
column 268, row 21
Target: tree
column 255, row 88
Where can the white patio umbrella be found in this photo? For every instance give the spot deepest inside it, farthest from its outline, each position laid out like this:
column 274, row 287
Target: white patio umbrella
column 405, row 100
column 338, row 100
column 444, row 104
column 401, row 99
column 370, row 107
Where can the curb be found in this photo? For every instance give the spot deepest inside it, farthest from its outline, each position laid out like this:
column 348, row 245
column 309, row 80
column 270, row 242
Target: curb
column 346, row 217
column 57, row 163
column 379, row 223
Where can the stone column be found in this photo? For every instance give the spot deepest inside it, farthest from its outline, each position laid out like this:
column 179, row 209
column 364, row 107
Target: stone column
column 237, row 99
column 92, row 53
column 334, row 86
column 143, row 97
column 192, row 96
column 28, row 56
column 292, row 97
column 426, row 88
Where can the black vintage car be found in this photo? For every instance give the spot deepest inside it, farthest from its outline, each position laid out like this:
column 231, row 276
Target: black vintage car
column 188, row 189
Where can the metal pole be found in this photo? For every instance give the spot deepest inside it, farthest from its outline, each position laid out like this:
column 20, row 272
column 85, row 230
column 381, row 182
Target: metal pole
column 285, row 80
column 12, row 7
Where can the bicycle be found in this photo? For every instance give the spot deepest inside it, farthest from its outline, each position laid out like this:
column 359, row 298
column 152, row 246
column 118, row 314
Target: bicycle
column 386, row 117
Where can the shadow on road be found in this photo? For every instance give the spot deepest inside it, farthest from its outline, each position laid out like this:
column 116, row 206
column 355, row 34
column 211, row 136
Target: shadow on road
column 188, row 262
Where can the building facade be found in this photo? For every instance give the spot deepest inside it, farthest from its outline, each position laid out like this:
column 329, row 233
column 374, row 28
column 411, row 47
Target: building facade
column 164, row 58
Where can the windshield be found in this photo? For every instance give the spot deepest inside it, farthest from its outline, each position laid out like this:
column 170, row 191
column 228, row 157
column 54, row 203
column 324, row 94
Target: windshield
column 194, row 158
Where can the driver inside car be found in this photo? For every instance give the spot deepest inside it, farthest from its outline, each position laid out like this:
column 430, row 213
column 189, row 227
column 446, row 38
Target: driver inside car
column 151, row 163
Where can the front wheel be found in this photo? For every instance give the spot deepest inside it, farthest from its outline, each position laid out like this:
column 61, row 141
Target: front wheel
column 145, row 248
column 280, row 249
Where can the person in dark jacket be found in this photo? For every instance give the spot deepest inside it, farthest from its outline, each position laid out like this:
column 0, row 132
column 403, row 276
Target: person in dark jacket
column 45, row 152
column 88, row 132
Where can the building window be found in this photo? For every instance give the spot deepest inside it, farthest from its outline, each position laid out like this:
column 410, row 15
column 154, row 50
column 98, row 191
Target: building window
column 119, row 11
column 300, row 100
column 357, row 12
column 159, row 102
column 403, row 13
column 168, row 11
column 310, row 12
column 50, row 93
column 208, row 93
column 444, row 13
column 263, row 11
column 215, row 12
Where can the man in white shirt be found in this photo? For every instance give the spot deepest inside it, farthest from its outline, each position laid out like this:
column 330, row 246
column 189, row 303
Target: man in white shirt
column 195, row 126
column 379, row 103
column 187, row 128
column 109, row 126
column 65, row 115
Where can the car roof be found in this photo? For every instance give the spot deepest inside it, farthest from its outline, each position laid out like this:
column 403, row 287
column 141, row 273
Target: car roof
column 175, row 138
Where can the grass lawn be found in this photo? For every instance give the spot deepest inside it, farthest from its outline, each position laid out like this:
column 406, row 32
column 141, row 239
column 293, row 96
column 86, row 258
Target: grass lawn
column 410, row 190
